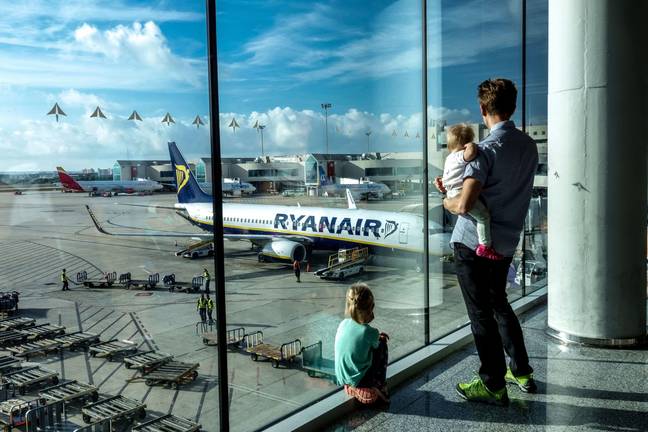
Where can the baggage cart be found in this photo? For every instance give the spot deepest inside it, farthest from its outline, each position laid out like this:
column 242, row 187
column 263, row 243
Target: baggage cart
column 172, row 374
column 77, row 340
column 8, row 363
column 30, row 349
column 146, row 360
column 32, row 376
column 16, row 323
column 234, row 337
column 13, row 412
column 146, row 284
column 114, row 408
column 168, row 423
column 196, row 285
column 282, row 354
column 70, row 391
column 112, row 348
column 43, row 331
column 106, row 280
column 9, row 301
column 11, row 337
column 316, row 365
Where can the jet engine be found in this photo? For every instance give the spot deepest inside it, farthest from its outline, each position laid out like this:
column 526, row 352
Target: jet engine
column 283, row 249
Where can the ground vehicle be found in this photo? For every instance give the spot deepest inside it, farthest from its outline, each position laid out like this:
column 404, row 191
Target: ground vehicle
column 200, row 252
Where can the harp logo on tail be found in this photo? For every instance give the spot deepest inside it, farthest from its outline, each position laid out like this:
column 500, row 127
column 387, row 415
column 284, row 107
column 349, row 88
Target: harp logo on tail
column 182, row 176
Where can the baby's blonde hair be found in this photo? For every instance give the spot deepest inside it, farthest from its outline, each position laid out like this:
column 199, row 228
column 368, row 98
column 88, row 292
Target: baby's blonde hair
column 359, row 303
column 459, row 135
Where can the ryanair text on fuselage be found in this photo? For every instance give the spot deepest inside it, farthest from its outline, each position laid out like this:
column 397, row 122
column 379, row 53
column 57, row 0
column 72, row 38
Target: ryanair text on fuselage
column 333, row 225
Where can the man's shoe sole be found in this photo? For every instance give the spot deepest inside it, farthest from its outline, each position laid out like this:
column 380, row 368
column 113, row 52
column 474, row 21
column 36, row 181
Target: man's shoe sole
column 526, row 389
column 503, row 402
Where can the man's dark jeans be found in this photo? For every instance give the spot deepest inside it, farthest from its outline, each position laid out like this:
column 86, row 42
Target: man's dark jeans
column 495, row 326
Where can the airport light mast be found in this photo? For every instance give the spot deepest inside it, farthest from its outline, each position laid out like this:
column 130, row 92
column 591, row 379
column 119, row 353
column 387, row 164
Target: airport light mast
column 326, row 106
column 260, row 129
column 368, row 133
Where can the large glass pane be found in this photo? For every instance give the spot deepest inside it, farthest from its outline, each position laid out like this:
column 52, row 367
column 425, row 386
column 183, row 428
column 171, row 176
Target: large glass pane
column 534, row 275
column 317, row 99
column 468, row 42
column 98, row 89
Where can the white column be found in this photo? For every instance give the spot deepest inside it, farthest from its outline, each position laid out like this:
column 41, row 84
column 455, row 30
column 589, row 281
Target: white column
column 597, row 170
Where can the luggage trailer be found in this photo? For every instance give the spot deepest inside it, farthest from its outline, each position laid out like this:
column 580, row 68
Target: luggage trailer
column 168, row 423
column 30, row 349
column 43, row 331
column 76, row 340
column 114, row 408
column 196, row 285
column 105, row 281
column 282, row 354
column 234, row 338
column 33, row 376
column 16, row 323
column 172, row 374
column 146, row 360
column 69, row 392
column 112, row 348
column 11, row 337
column 316, row 365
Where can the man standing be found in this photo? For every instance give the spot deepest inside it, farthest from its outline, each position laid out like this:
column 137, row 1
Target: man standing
column 502, row 177
column 297, row 269
column 201, row 306
column 207, row 280
column 65, row 281
column 210, row 309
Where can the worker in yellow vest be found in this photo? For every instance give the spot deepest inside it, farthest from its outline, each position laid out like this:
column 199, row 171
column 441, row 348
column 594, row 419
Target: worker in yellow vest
column 201, row 306
column 207, row 280
column 65, row 280
column 210, row 309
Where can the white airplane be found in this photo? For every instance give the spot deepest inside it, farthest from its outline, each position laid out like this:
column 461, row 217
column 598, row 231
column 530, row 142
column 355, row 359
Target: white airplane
column 363, row 190
column 289, row 232
column 106, row 186
column 230, row 187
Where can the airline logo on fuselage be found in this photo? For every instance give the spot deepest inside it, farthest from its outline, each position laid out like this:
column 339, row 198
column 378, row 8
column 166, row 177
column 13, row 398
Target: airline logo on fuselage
column 182, row 176
column 331, row 225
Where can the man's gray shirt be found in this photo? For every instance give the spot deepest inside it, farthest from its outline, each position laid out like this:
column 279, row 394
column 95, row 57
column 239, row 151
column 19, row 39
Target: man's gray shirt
column 505, row 167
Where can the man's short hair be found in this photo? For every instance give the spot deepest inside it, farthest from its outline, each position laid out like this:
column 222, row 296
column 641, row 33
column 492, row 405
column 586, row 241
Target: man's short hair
column 498, row 96
column 459, row 134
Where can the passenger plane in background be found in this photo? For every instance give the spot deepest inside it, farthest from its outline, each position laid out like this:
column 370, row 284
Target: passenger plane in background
column 364, row 190
column 230, row 187
column 106, row 186
column 288, row 232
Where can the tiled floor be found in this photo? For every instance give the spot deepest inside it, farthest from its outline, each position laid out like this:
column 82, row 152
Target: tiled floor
column 580, row 389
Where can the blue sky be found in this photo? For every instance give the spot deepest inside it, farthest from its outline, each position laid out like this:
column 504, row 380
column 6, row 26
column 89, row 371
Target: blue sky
column 278, row 60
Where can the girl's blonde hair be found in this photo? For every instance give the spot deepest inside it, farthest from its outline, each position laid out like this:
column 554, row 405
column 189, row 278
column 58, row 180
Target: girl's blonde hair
column 359, row 303
column 459, row 135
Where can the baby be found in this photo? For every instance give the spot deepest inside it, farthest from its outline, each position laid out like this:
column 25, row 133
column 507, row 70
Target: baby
column 462, row 151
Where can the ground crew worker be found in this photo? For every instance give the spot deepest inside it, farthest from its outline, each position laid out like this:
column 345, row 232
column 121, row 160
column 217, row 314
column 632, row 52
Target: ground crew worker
column 297, row 268
column 207, row 280
column 210, row 309
column 201, row 306
column 65, row 280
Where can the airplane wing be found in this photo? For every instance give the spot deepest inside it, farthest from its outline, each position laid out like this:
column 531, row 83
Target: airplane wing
column 254, row 238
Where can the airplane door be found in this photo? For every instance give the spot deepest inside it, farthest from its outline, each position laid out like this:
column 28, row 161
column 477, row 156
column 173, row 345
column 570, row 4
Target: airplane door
column 402, row 233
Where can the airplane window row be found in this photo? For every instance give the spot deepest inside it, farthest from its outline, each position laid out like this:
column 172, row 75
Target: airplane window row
column 245, row 220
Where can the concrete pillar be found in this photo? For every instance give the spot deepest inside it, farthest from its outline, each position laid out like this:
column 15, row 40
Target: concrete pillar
column 597, row 171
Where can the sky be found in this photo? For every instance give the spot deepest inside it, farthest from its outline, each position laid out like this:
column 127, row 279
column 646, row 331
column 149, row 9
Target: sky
column 278, row 61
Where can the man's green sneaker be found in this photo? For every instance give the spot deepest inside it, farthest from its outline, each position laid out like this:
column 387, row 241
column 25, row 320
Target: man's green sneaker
column 476, row 391
column 526, row 383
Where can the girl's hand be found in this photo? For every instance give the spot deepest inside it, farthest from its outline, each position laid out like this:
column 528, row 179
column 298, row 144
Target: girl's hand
column 383, row 336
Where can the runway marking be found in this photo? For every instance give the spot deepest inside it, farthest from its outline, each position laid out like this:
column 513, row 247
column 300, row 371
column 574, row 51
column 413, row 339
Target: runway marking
column 120, row 330
column 87, row 318
column 101, row 319
column 112, row 323
column 202, row 400
column 173, row 401
column 145, row 335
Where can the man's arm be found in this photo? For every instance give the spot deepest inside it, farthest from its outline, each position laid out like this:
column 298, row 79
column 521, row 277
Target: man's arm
column 464, row 202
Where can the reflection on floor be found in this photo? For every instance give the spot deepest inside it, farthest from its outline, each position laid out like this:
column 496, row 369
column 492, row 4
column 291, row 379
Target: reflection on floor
column 580, row 389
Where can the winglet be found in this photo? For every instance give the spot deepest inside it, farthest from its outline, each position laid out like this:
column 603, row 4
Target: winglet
column 350, row 200
column 96, row 222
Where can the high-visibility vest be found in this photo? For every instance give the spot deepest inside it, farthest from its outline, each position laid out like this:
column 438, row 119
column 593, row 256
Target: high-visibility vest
column 63, row 277
column 210, row 304
column 206, row 275
column 201, row 304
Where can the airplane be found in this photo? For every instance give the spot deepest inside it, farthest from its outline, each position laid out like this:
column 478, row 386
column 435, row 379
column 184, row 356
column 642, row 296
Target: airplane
column 109, row 187
column 56, row 111
column 363, row 190
column 97, row 113
column 292, row 232
column 230, row 187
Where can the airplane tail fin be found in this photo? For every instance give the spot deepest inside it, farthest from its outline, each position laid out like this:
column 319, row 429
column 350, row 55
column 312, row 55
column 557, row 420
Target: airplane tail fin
column 67, row 181
column 324, row 180
column 187, row 187
column 350, row 200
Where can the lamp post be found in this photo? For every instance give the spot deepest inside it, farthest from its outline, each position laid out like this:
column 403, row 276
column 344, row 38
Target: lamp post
column 326, row 106
column 259, row 127
column 368, row 133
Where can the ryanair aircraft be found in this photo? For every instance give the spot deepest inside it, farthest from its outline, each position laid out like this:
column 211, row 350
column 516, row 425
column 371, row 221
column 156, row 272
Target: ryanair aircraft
column 288, row 232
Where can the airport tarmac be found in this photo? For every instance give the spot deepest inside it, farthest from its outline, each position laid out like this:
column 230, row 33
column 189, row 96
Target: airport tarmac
column 43, row 232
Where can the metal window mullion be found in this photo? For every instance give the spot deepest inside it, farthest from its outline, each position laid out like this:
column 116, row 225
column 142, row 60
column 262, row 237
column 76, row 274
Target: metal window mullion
column 426, row 235
column 217, row 193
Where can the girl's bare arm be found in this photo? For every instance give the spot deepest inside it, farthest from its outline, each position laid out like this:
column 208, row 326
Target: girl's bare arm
column 470, row 152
